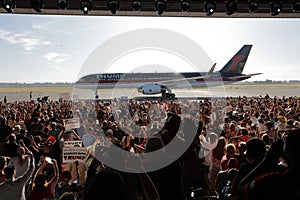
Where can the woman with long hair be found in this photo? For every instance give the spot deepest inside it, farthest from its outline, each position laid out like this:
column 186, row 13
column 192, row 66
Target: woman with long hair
column 216, row 157
column 20, row 162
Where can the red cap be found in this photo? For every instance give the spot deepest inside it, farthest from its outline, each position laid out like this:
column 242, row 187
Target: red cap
column 51, row 139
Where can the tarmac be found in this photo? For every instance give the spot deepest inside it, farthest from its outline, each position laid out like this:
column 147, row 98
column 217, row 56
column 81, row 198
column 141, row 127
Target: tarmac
column 213, row 92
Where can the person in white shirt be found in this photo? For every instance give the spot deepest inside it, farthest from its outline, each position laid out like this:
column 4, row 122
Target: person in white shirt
column 20, row 162
column 281, row 124
column 14, row 188
column 261, row 125
column 207, row 144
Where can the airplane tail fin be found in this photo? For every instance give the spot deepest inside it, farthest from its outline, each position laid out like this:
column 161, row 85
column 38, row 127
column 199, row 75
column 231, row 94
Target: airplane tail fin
column 236, row 64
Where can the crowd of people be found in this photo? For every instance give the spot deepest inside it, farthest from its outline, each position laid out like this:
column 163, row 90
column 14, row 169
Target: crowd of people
column 238, row 148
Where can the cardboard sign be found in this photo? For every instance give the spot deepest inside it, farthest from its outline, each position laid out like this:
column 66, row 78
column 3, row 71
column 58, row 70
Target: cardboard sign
column 228, row 109
column 77, row 143
column 72, row 154
column 246, row 108
column 65, row 96
column 71, row 123
column 75, row 97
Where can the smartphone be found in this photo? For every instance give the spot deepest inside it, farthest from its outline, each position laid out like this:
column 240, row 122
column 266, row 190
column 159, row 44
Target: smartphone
column 49, row 160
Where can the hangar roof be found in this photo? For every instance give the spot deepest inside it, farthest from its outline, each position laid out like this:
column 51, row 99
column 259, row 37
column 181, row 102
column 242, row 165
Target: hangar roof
column 173, row 9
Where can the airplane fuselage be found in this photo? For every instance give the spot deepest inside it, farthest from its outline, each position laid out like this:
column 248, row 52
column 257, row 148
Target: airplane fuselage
column 164, row 82
column 130, row 80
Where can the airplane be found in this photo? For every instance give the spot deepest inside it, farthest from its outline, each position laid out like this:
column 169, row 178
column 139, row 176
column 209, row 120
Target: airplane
column 163, row 83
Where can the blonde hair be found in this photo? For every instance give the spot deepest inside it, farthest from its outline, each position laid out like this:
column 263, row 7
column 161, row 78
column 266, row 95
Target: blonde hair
column 296, row 123
column 230, row 148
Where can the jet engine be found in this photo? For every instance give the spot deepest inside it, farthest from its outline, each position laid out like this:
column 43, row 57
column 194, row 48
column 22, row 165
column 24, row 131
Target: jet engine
column 150, row 88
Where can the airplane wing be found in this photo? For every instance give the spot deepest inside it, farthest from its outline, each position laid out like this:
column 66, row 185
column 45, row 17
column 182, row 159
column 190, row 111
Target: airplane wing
column 244, row 76
column 181, row 80
column 254, row 74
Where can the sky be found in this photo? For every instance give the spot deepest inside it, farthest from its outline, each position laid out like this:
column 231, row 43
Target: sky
column 42, row 48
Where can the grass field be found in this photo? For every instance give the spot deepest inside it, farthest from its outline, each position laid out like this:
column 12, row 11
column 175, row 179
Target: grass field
column 43, row 89
column 246, row 86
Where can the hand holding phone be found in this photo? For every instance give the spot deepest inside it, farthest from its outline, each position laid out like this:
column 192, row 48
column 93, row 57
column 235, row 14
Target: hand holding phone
column 48, row 160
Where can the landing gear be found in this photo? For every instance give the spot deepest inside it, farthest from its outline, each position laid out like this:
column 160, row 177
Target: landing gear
column 167, row 95
column 96, row 96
